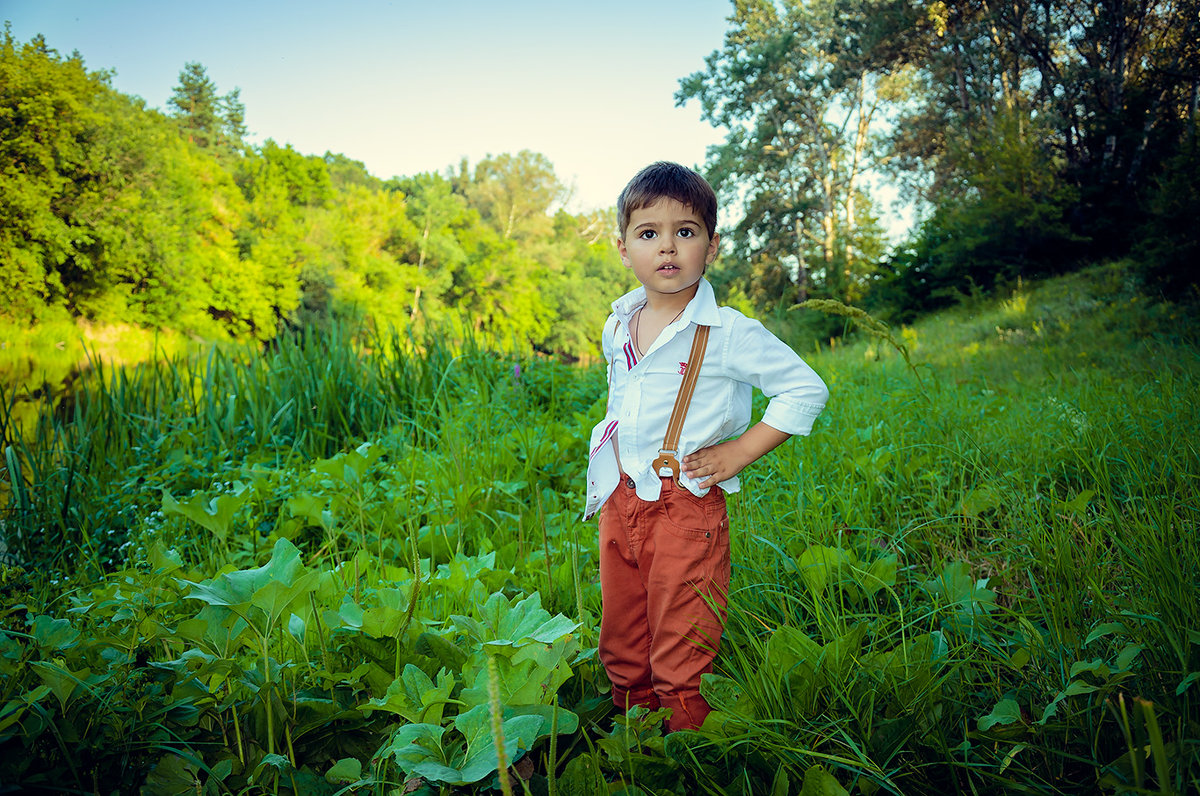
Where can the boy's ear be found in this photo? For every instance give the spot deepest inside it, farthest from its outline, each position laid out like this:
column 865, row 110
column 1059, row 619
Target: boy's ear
column 623, row 252
column 713, row 247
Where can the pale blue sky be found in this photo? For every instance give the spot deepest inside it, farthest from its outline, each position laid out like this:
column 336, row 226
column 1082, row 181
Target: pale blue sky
column 407, row 87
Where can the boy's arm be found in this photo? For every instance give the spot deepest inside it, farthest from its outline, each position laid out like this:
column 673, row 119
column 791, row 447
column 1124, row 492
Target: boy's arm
column 724, row 460
column 797, row 396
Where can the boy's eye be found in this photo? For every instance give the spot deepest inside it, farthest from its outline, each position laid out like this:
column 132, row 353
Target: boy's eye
column 686, row 232
column 647, row 234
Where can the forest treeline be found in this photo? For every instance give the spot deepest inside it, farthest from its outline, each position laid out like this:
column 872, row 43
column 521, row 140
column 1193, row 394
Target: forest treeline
column 111, row 211
column 1035, row 137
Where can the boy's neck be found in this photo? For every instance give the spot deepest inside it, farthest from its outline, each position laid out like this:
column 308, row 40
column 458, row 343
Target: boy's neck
column 670, row 303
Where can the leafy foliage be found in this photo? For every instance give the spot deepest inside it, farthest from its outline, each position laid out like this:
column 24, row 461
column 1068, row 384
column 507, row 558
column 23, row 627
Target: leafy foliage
column 799, row 109
column 113, row 212
column 1032, row 137
column 979, row 578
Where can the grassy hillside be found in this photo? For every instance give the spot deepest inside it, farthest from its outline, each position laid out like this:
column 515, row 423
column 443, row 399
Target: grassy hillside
column 322, row 568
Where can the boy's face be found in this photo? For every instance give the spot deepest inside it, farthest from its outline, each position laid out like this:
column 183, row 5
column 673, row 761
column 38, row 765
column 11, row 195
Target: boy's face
column 667, row 246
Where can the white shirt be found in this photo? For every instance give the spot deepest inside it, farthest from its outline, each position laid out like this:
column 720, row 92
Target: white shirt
column 741, row 354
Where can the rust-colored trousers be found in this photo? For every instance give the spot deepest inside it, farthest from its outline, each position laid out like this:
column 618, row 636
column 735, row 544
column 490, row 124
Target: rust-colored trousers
column 664, row 567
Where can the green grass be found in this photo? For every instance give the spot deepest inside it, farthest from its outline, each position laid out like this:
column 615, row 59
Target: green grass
column 980, row 574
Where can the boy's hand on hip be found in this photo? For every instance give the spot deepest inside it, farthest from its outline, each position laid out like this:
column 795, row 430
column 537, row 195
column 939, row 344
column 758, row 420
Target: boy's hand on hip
column 715, row 463
column 724, row 460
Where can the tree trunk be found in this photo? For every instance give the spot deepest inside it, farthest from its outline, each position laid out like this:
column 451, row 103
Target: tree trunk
column 829, row 232
column 1006, row 85
column 860, row 145
column 424, row 244
column 801, row 263
column 416, row 302
column 1195, row 106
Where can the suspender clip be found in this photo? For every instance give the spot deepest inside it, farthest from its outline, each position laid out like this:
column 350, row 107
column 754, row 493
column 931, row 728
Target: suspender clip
column 667, row 464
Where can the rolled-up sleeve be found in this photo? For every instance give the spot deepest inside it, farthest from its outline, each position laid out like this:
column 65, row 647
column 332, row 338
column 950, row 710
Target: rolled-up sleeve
column 797, row 394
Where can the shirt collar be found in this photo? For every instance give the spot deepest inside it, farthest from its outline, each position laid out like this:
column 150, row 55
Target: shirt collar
column 702, row 309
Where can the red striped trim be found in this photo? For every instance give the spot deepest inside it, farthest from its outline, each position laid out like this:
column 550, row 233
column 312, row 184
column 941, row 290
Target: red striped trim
column 630, row 355
column 608, row 432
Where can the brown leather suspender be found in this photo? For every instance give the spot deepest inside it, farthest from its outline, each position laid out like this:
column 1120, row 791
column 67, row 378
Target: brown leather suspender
column 667, row 463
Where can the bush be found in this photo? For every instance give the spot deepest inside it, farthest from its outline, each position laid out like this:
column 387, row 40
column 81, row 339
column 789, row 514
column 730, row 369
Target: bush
column 1008, row 219
column 1169, row 241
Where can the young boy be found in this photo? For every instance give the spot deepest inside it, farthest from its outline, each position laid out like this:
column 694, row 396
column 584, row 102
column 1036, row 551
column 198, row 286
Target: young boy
column 664, row 531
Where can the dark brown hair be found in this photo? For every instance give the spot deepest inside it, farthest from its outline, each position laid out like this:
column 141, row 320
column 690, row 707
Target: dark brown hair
column 665, row 180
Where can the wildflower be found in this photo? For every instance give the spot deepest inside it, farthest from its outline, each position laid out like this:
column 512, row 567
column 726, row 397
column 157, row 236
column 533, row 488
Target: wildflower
column 1070, row 415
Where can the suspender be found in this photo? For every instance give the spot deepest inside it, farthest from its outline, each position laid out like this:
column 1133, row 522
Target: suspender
column 667, row 463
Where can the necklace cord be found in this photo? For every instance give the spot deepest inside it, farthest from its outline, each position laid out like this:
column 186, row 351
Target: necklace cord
column 637, row 317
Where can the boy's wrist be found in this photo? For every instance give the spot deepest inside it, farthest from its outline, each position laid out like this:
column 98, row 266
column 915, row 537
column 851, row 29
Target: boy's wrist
column 742, row 453
column 759, row 440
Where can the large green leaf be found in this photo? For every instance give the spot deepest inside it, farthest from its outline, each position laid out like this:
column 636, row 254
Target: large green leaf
column 311, row 508
column 426, row 751
column 841, row 655
column 350, row 467
column 554, row 718
column 819, row 782
column 819, row 565
column 53, row 634
column 1007, row 711
column 908, row 671
column 529, row 674
column 62, row 681
column 727, row 695
column 414, row 696
column 346, row 771
column 481, row 757
column 788, row 648
column 385, row 619
column 413, row 744
column 969, row 602
column 270, row 589
column 215, row 514
column 216, row 627
column 173, row 775
column 881, row 573
column 441, row 649
column 582, row 777
column 504, row 623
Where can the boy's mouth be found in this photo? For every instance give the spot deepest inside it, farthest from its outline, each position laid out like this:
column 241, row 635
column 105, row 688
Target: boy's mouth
column 668, row 267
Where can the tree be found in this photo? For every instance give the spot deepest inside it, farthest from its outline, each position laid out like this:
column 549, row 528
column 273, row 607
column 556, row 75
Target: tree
column 197, row 106
column 108, row 213
column 233, row 117
column 437, row 213
column 285, row 191
column 1109, row 86
column 584, row 275
column 800, row 112
column 46, row 120
column 208, row 120
column 514, row 193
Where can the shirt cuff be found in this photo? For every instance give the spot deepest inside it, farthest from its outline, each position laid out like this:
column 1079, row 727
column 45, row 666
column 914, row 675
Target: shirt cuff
column 791, row 417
